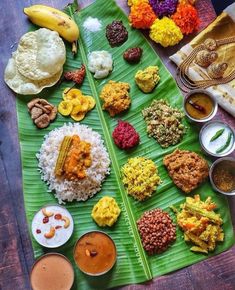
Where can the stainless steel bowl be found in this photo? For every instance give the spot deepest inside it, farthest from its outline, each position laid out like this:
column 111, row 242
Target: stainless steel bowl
column 225, row 160
column 212, row 153
column 213, row 113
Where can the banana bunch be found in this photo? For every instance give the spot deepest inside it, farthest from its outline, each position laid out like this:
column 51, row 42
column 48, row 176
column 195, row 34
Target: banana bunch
column 54, row 19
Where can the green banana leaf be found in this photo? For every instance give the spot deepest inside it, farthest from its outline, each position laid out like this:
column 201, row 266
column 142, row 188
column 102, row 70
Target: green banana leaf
column 133, row 265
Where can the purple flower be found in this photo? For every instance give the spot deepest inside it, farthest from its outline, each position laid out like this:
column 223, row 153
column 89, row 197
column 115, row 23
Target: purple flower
column 163, row 7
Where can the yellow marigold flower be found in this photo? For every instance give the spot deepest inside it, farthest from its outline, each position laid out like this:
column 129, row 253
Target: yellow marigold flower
column 165, row 32
column 134, row 2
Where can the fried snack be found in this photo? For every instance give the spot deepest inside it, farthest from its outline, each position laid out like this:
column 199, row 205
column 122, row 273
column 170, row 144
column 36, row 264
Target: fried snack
column 201, row 225
column 187, row 169
column 75, row 104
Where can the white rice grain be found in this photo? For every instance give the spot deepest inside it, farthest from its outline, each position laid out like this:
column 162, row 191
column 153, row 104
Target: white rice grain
column 82, row 189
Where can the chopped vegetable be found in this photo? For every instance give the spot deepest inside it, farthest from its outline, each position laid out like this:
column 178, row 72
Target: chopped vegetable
column 217, row 135
column 164, row 123
column 201, row 225
column 222, row 148
column 64, row 148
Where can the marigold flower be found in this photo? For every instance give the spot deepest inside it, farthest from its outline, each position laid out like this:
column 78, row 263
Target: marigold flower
column 165, row 32
column 186, row 17
column 134, row 2
column 142, row 15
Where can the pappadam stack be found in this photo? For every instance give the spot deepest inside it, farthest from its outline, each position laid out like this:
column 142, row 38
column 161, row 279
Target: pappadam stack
column 37, row 63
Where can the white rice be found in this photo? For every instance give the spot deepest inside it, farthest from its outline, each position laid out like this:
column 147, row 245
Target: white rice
column 82, row 189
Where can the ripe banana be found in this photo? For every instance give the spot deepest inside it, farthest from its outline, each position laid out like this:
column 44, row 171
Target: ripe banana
column 54, row 19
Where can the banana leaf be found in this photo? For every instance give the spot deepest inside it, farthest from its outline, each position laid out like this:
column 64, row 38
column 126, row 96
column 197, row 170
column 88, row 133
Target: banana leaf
column 133, row 264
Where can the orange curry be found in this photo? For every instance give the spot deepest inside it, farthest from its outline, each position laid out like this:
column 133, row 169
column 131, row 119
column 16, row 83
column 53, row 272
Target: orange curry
column 74, row 158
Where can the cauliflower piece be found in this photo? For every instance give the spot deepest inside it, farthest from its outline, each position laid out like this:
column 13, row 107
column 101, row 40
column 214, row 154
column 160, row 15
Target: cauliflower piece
column 100, row 63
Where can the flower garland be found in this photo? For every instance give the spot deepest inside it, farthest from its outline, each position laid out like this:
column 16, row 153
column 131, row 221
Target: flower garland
column 186, row 17
column 168, row 20
column 142, row 16
column 163, row 7
column 165, row 32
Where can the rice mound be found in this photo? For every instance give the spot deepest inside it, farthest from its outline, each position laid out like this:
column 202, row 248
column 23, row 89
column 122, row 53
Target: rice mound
column 79, row 190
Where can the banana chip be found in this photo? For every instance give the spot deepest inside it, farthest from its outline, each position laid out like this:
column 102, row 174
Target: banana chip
column 91, row 102
column 84, row 104
column 77, row 114
column 71, row 94
column 65, row 108
column 75, row 104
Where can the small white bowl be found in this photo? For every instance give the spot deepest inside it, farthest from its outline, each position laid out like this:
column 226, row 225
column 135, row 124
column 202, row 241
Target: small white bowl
column 61, row 234
column 204, row 139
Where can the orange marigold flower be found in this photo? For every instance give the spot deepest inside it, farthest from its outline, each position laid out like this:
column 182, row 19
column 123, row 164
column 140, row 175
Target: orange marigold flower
column 186, row 17
column 142, row 15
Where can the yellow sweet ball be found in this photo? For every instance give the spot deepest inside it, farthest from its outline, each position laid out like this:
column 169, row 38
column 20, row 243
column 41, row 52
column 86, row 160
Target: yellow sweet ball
column 165, row 32
column 106, row 211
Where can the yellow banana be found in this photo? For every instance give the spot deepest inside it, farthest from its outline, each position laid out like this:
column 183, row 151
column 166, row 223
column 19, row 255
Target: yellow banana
column 54, row 19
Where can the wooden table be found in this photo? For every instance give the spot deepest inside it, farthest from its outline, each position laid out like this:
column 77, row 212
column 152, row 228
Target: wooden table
column 16, row 255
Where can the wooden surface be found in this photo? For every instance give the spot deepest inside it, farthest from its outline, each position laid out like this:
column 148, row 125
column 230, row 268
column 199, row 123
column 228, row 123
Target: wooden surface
column 16, row 256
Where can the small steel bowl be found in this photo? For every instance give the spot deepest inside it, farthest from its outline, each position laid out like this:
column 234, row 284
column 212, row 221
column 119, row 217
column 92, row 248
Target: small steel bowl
column 213, row 113
column 212, row 153
column 50, row 254
column 36, row 237
column 224, row 159
column 101, row 273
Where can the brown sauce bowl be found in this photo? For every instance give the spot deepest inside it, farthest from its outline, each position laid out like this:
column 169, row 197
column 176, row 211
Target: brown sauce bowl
column 210, row 96
column 52, row 271
column 95, row 253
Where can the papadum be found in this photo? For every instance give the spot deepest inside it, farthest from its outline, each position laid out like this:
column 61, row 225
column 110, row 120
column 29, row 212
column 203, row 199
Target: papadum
column 25, row 86
column 40, row 54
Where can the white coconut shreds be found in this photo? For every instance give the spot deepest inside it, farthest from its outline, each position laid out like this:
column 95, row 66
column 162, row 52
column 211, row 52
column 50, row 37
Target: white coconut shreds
column 92, row 24
column 80, row 189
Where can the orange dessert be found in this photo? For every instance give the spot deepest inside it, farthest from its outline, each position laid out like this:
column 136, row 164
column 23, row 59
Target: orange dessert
column 95, row 253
